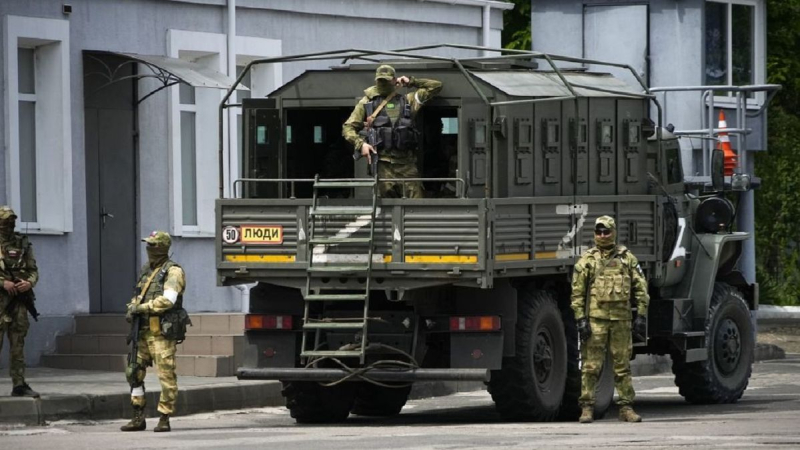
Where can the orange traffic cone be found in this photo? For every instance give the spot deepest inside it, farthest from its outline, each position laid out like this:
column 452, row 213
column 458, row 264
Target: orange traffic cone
column 724, row 144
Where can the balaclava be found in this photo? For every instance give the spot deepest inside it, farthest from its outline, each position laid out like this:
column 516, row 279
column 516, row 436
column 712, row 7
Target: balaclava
column 158, row 244
column 607, row 241
column 8, row 220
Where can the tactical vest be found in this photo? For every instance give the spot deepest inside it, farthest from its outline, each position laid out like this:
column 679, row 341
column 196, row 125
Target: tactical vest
column 399, row 135
column 12, row 255
column 156, row 288
column 610, row 286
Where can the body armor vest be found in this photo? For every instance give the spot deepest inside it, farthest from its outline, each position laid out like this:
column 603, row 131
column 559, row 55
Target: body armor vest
column 394, row 131
column 156, row 288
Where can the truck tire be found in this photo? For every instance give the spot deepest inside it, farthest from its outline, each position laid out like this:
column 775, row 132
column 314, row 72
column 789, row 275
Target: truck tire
column 730, row 343
column 530, row 385
column 373, row 400
column 570, row 410
column 309, row 402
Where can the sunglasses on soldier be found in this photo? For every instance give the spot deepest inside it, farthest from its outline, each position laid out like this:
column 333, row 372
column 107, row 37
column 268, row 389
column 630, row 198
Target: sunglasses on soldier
column 602, row 232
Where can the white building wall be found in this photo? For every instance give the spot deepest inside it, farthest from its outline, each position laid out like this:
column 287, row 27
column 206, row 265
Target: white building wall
column 142, row 26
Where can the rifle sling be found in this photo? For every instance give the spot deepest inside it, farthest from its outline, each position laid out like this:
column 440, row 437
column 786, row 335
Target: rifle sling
column 380, row 107
column 147, row 284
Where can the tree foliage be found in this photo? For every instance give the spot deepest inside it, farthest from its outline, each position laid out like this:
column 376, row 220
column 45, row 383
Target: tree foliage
column 517, row 26
column 778, row 199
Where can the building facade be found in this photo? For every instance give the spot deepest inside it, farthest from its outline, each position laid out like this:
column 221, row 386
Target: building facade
column 100, row 149
column 673, row 43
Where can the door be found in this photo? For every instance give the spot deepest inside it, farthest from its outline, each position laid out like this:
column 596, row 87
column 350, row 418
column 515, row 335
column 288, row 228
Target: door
column 617, row 34
column 111, row 174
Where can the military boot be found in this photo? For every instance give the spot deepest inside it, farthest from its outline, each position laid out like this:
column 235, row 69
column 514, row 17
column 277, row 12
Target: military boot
column 137, row 423
column 24, row 390
column 587, row 415
column 163, row 424
column 626, row 414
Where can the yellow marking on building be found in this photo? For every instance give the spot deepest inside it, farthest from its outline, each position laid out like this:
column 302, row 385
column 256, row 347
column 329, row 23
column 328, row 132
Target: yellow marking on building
column 261, row 258
column 513, row 257
column 441, row 259
column 387, row 259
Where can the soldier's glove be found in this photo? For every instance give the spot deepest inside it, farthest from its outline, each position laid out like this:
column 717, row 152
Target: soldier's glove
column 640, row 328
column 584, row 330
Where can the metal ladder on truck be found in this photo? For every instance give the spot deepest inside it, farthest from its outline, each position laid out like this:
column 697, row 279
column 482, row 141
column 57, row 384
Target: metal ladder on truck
column 316, row 271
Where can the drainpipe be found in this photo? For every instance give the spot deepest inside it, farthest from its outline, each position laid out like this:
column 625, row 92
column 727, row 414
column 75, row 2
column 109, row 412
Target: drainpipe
column 232, row 74
column 244, row 290
column 487, row 27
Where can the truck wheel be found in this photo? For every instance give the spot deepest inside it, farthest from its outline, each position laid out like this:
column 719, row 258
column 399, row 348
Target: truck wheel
column 530, row 384
column 730, row 342
column 309, row 402
column 570, row 410
column 373, row 400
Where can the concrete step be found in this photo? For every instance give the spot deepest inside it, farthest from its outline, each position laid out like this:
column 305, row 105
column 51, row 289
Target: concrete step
column 202, row 323
column 114, row 344
column 187, row 365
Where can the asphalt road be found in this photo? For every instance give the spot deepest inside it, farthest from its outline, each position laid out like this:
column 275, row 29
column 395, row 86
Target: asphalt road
column 768, row 416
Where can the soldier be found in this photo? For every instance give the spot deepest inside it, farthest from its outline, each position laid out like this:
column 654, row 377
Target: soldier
column 608, row 272
column 19, row 274
column 392, row 115
column 160, row 289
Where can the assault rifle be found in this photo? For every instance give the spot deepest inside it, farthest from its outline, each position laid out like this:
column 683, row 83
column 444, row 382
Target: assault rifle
column 133, row 341
column 26, row 299
column 370, row 136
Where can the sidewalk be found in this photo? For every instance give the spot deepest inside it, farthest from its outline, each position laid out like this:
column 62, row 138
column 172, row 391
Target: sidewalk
column 92, row 395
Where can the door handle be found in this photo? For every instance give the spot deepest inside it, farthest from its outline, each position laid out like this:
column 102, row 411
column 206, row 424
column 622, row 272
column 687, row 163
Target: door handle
column 104, row 215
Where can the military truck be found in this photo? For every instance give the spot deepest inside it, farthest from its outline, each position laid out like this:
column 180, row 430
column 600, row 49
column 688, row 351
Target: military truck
column 357, row 297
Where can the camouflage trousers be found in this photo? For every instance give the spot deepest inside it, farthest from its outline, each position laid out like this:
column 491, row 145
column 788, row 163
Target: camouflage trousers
column 613, row 336
column 15, row 325
column 159, row 352
column 394, row 189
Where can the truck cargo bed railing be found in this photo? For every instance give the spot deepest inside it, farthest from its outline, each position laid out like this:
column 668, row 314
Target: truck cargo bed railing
column 461, row 191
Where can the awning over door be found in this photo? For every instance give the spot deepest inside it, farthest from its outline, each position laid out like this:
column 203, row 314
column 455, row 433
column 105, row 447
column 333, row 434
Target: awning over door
column 169, row 71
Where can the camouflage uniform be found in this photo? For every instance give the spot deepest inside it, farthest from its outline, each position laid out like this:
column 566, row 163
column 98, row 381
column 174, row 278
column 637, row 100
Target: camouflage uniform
column 161, row 286
column 610, row 273
column 392, row 163
column 16, row 263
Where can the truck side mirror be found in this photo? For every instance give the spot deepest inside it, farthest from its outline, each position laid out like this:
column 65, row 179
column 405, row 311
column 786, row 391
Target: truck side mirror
column 718, row 170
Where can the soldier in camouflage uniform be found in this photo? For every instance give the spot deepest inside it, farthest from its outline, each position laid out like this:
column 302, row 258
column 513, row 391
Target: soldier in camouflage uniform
column 19, row 274
column 160, row 288
column 609, row 273
column 395, row 125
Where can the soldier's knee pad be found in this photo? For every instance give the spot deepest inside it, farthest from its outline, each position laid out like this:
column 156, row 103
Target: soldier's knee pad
column 134, row 373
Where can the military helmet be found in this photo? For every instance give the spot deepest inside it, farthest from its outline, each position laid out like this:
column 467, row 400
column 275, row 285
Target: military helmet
column 158, row 239
column 7, row 213
column 384, row 72
column 605, row 222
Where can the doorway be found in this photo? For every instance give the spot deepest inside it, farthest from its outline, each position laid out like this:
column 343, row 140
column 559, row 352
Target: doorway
column 111, row 174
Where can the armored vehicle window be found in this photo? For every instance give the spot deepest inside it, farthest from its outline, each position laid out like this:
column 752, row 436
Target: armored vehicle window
column 674, row 169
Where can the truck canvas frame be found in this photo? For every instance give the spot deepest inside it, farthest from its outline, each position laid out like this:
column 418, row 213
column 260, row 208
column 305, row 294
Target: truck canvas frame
column 359, row 296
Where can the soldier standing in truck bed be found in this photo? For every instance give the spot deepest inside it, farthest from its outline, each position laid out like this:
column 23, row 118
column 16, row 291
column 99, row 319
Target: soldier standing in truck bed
column 392, row 115
column 608, row 273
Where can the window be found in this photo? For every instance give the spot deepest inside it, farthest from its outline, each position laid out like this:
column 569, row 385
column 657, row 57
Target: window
column 39, row 133
column 449, row 125
column 188, row 154
column 733, row 43
column 194, row 124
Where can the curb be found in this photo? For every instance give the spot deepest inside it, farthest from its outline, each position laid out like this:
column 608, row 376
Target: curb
column 48, row 408
column 250, row 394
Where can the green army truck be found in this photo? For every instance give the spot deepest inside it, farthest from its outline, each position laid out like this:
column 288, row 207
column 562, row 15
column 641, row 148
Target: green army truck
column 357, row 297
